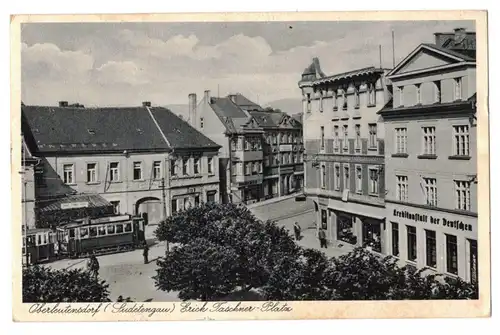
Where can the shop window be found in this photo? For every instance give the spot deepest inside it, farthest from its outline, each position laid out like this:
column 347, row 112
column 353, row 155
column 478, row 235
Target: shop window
column 211, row 196
column 451, row 254
column 324, row 220
column 473, row 261
column 174, row 205
column 395, row 238
column 430, row 248
column 197, row 200
column 371, row 236
column 412, row 243
column 345, row 229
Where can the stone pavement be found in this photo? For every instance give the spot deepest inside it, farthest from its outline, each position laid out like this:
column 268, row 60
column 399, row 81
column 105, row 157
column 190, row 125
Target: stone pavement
column 281, row 209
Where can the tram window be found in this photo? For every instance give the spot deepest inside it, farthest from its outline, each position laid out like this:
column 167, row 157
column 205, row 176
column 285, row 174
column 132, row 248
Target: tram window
column 39, row 239
column 44, row 238
column 102, row 230
column 93, row 232
column 84, row 233
column 111, row 229
column 119, row 228
column 128, row 227
column 24, row 243
column 72, row 232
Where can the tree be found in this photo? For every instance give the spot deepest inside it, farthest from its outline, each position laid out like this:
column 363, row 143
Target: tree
column 257, row 245
column 42, row 284
column 198, row 270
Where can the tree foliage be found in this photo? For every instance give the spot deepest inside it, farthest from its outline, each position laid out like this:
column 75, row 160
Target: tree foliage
column 221, row 248
column 257, row 245
column 42, row 284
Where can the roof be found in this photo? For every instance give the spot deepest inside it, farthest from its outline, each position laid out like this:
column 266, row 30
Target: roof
column 92, row 200
column 271, row 119
column 437, row 108
column 450, row 52
column 69, row 129
column 350, row 74
column 313, row 71
column 243, row 102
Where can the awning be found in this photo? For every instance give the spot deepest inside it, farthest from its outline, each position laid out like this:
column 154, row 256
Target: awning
column 75, row 202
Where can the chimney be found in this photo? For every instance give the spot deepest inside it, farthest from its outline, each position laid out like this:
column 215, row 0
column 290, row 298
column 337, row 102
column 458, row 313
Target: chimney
column 146, row 104
column 206, row 96
column 63, row 104
column 192, row 109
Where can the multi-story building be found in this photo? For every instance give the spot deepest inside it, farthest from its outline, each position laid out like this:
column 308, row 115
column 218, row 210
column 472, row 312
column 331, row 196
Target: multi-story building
column 261, row 149
column 344, row 142
column 132, row 158
column 431, row 158
column 28, row 164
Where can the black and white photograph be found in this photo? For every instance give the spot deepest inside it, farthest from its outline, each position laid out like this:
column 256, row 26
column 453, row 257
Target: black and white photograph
column 215, row 163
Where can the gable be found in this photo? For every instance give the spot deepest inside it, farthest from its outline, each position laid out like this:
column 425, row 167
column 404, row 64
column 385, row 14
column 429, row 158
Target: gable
column 425, row 59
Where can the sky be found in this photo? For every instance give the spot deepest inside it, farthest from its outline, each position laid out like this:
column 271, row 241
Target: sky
column 123, row 64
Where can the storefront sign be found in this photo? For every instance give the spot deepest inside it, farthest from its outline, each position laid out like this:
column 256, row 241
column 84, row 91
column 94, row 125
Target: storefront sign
column 111, row 219
column 71, row 205
column 417, row 217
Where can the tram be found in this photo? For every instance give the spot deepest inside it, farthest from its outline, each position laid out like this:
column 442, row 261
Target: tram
column 38, row 245
column 101, row 236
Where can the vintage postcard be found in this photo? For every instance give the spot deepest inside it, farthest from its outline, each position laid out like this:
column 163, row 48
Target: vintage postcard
column 250, row 166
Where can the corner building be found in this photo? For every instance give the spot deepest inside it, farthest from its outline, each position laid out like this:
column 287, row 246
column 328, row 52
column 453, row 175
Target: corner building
column 431, row 158
column 344, row 145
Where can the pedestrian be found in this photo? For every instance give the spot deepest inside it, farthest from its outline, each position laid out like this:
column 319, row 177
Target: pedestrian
column 322, row 238
column 145, row 253
column 93, row 266
column 297, row 230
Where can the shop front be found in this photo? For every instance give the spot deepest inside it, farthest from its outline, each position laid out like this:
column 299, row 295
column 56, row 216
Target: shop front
column 442, row 240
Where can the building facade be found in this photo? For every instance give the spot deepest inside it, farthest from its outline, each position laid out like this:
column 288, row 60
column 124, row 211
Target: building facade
column 28, row 165
column 261, row 149
column 431, row 158
column 143, row 160
column 344, row 142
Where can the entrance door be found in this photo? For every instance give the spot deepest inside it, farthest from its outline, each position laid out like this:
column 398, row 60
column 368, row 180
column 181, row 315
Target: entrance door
column 372, row 235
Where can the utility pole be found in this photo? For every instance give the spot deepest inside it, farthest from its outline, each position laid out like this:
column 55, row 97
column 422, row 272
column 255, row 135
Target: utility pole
column 164, row 198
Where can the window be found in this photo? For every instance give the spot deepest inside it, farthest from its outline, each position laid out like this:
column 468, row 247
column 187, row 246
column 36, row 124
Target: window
column 418, row 94
column 248, row 168
column 371, row 94
column 301, row 157
column 84, row 232
column 93, row 231
column 187, row 204
column 102, row 230
column 295, row 158
column 267, row 161
column 473, row 261
column 395, row 238
column 275, row 138
column 234, row 144
column 337, row 177
column 373, row 180
column 461, row 140
column 437, row 91
column 234, row 169
column 157, row 170
column 347, row 181
column 451, row 254
column 402, row 188
column 114, row 172
column 196, row 165
column 68, row 174
column 91, row 172
column 185, row 166
column 247, row 144
column 260, row 167
column 372, row 135
column 359, row 179
column 321, row 101
column 173, row 167
column 119, row 228
column 201, row 122
column 357, row 143
column 116, row 206
column 401, row 139
column 322, row 138
column 429, row 140
column 458, row 89
column 336, row 137
column 430, row 187
column 323, row 176
column 462, row 191
column 335, row 100
column 111, row 229
column 430, row 248
column 174, row 205
column 346, row 139
column 276, row 159
column 412, row 243
column 137, row 170
column 309, row 102
column 284, row 138
column 210, row 165
column 128, row 227
column 344, row 98
column 196, row 200
column 211, row 196
column 356, row 97
column 401, row 95
column 255, row 168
